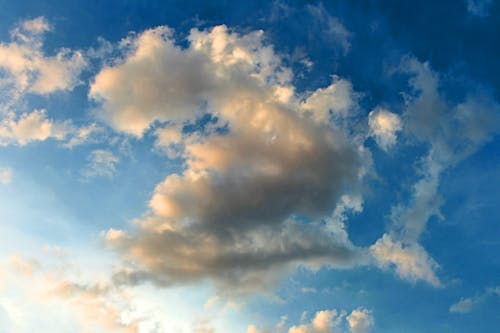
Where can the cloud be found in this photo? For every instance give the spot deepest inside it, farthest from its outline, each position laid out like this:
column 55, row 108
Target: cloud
column 479, row 7
column 37, row 126
column 466, row 305
column 383, row 126
column 26, row 69
column 337, row 100
column 29, row 127
column 360, row 321
column 327, row 321
column 410, row 260
column 452, row 133
column 332, row 28
column 5, row 176
column 234, row 213
column 101, row 163
column 160, row 81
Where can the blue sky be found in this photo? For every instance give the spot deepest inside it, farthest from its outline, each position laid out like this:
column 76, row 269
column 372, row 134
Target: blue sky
column 256, row 167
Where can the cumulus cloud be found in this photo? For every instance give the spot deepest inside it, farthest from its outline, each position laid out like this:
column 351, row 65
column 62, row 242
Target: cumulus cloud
column 466, row 305
column 327, row 321
column 160, row 81
column 236, row 209
column 37, row 126
column 101, row 163
column 29, row 127
column 26, row 69
column 5, row 176
column 337, row 100
column 360, row 321
column 383, row 126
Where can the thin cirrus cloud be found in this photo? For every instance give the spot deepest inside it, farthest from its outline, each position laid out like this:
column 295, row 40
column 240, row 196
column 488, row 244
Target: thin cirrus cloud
column 232, row 213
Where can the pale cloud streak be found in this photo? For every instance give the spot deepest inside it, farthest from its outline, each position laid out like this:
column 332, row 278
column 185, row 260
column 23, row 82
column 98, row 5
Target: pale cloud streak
column 453, row 133
column 467, row 304
column 101, row 163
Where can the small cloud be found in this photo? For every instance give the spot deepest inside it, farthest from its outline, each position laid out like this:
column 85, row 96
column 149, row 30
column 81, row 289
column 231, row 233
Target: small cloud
column 410, row 260
column 383, row 127
column 5, row 176
column 466, row 305
column 101, row 163
column 360, row 321
column 333, row 29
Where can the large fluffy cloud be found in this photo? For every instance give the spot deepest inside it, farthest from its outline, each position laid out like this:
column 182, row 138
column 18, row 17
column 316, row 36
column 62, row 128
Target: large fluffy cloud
column 252, row 196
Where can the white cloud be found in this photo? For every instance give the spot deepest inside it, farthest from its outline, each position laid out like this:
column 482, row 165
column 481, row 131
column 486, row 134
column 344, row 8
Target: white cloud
column 466, row 305
column 29, row 127
column 337, row 100
column 5, row 176
column 327, row 321
column 37, row 126
column 410, row 260
column 101, row 163
column 383, row 126
column 360, row 321
column 159, row 81
column 332, row 28
column 26, row 69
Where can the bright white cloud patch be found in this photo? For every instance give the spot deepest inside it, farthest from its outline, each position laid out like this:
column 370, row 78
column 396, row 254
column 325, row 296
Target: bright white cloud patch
column 337, row 101
column 360, row 321
column 160, row 81
column 383, row 126
column 5, row 176
column 410, row 260
column 26, row 69
column 34, row 126
column 229, row 214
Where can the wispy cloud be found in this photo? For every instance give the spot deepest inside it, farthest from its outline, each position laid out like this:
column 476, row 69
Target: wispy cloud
column 101, row 163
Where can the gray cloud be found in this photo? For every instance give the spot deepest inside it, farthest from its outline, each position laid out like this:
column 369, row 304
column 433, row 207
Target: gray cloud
column 251, row 203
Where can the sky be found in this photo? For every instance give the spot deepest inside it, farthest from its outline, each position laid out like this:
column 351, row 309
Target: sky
column 249, row 167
